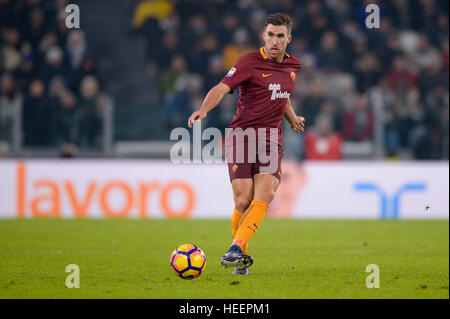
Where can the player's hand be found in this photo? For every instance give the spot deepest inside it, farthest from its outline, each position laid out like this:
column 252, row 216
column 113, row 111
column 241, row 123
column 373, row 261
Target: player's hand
column 197, row 115
column 298, row 124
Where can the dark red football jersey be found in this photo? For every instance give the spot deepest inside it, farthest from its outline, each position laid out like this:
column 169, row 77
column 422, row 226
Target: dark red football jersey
column 265, row 86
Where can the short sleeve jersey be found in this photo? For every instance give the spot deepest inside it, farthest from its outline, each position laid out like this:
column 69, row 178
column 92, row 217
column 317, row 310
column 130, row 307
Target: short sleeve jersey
column 265, row 86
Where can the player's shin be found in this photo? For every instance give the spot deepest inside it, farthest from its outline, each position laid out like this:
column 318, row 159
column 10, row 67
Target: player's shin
column 235, row 219
column 250, row 223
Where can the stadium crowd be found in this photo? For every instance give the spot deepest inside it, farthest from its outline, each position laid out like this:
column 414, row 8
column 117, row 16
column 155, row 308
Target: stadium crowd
column 50, row 72
column 355, row 82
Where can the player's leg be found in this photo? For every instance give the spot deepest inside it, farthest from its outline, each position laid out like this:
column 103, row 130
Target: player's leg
column 265, row 186
column 242, row 195
column 264, row 193
column 242, row 184
column 266, row 179
column 241, row 177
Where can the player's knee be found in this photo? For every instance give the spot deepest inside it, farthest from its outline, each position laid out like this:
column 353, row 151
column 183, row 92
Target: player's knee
column 269, row 195
column 242, row 203
column 265, row 196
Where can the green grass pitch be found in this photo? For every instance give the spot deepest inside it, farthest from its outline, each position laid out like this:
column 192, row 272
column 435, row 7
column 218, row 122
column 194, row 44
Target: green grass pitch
column 293, row 259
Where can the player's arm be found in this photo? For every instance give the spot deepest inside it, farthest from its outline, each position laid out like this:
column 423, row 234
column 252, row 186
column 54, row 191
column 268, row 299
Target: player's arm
column 297, row 123
column 212, row 99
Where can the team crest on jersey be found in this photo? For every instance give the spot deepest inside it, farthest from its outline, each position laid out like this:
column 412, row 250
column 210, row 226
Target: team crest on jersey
column 292, row 74
column 234, row 168
column 231, row 72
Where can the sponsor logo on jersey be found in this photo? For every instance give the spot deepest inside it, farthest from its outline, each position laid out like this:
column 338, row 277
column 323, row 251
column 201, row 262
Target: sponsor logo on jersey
column 231, row 72
column 276, row 92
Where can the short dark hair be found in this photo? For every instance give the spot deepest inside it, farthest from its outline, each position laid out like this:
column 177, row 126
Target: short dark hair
column 279, row 19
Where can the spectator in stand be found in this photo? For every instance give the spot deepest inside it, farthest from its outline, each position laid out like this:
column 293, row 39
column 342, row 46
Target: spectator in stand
column 36, row 115
column 322, row 142
column 310, row 74
column 214, row 72
column 315, row 23
column 389, row 50
column 399, row 77
column 66, row 120
column 310, row 106
column 36, row 29
column 439, row 31
column 199, row 57
column 358, row 48
column 351, row 32
column 173, row 81
column 55, row 89
column 358, row 120
column 188, row 98
column 213, row 76
column 49, row 40
column 368, row 72
column 10, row 102
column 300, row 47
column 151, row 9
column 12, row 49
column 424, row 55
column 61, row 28
column 330, row 110
column 383, row 99
column 256, row 24
column 194, row 31
column 431, row 77
column 54, row 66
column 90, row 115
column 168, row 49
column 170, row 23
column 24, row 10
column 228, row 26
column 7, row 13
column 331, row 56
column 436, row 109
column 87, row 67
column 238, row 47
column 379, row 38
column 77, row 48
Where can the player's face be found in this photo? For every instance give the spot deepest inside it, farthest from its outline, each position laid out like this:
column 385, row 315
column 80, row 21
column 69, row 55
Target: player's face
column 276, row 39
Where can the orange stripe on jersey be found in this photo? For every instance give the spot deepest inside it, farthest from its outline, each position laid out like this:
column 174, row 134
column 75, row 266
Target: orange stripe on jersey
column 264, row 55
column 261, row 50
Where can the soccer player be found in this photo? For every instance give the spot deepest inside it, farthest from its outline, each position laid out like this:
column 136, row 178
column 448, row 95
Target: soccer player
column 266, row 78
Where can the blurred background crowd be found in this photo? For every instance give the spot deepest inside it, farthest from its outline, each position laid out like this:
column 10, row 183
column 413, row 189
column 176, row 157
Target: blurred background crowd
column 49, row 75
column 369, row 93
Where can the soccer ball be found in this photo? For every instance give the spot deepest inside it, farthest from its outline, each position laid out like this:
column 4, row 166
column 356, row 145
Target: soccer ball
column 188, row 261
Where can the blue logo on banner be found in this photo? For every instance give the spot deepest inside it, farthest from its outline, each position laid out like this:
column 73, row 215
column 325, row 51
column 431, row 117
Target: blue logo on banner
column 389, row 206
